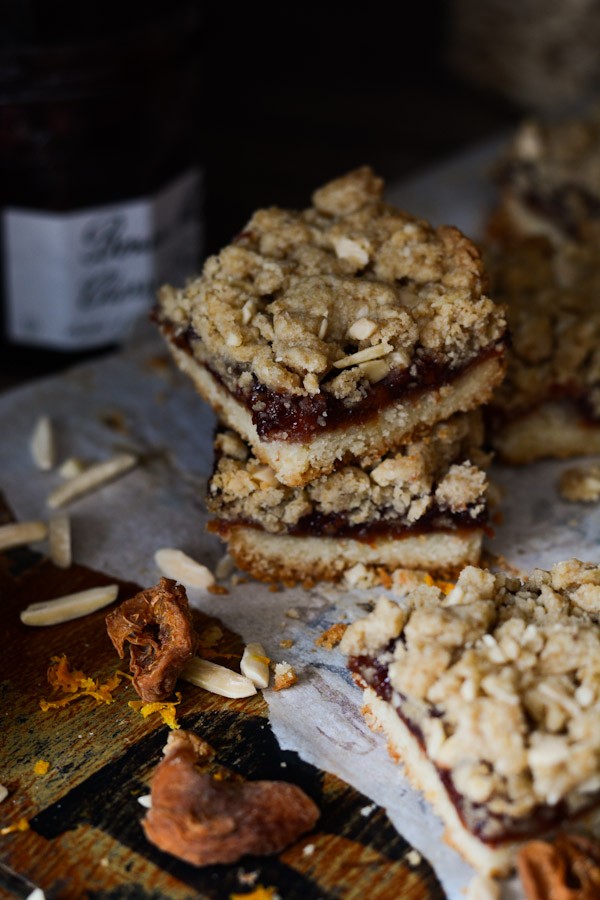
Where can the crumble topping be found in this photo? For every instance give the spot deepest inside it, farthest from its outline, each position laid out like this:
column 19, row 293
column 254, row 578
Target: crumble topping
column 503, row 679
column 436, row 469
column 552, row 295
column 335, row 297
column 285, row 676
column 554, row 170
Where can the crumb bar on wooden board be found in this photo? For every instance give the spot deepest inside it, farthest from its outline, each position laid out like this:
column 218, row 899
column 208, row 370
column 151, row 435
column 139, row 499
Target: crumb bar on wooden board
column 549, row 179
column 335, row 333
column 549, row 403
column 422, row 507
column 490, row 696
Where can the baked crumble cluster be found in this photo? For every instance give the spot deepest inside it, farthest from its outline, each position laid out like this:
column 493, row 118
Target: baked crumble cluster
column 502, row 678
column 543, row 241
column 340, row 347
column 438, row 471
column 336, row 297
column 552, row 294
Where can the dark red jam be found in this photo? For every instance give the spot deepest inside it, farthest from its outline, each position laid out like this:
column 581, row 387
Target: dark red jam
column 283, row 416
column 336, row 525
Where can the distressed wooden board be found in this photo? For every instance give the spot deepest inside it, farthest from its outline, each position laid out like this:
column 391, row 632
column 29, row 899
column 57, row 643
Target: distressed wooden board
column 85, row 840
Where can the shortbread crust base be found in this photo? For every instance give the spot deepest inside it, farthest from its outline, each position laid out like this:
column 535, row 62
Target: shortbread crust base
column 291, row 558
column 497, row 861
column 296, row 464
column 492, row 861
column 552, row 430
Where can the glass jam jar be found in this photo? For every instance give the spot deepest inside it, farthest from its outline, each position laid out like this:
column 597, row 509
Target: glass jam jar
column 100, row 181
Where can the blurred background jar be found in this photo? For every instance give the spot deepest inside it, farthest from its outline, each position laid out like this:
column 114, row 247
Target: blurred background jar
column 100, row 179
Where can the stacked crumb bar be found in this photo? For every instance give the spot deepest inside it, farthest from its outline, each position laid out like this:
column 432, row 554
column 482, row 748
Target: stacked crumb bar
column 346, row 350
column 543, row 250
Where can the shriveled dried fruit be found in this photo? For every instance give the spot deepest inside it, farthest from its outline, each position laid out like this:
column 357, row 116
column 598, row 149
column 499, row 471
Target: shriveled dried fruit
column 205, row 821
column 566, row 869
column 158, row 627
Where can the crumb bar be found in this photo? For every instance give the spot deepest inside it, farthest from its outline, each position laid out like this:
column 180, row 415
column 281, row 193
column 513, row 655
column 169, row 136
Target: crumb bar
column 490, row 696
column 333, row 334
column 549, row 403
column 421, row 507
column 549, row 177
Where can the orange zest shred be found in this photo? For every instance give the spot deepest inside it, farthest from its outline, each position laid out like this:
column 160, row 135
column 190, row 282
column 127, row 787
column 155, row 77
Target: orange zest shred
column 444, row 586
column 166, row 709
column 21, row 825
column 259, row 893
column 41, row 767
column 76, row 684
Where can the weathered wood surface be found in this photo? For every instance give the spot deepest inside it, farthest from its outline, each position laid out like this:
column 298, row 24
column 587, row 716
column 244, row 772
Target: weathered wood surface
column 85, row 840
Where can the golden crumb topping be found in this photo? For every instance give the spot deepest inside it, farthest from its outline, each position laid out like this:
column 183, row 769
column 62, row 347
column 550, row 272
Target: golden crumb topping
column 511, row 670
column 552, row 295
column 335, row 297
column 436, row 470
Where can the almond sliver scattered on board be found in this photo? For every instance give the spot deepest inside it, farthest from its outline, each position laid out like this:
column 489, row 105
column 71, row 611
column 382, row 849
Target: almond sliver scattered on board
column 42, row 445
column 217, row 679
column 16, row 534
column 71, row 606
column 92, row 478
column 176, row 564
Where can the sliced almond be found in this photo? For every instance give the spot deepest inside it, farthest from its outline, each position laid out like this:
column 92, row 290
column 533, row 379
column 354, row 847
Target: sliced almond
column 254, row 665
column 375, row 370
column 323, row 325
column 265, row 476
column 176, row 564
column 71, row 467
column 346, row 248
column 375, row 352
column 225, row 566
column 248, row 310
column 16, row 534
column 43, row 447
column 217, row 679
column 92, row 478
column 59, row 541
column 71, row 606
column 3, row 793
column 362, row 329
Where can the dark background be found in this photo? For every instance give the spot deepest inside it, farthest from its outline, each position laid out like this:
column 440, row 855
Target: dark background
column 98, row 100
column 304, row 92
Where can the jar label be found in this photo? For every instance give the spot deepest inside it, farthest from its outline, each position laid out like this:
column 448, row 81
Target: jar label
column 78, row 280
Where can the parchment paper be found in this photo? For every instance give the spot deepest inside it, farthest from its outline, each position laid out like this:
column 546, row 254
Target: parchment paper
column 136, row 401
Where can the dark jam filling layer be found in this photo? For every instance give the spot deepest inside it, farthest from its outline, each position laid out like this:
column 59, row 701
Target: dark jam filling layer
column 281, row 416
column 336, row 525
column 490, row 828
